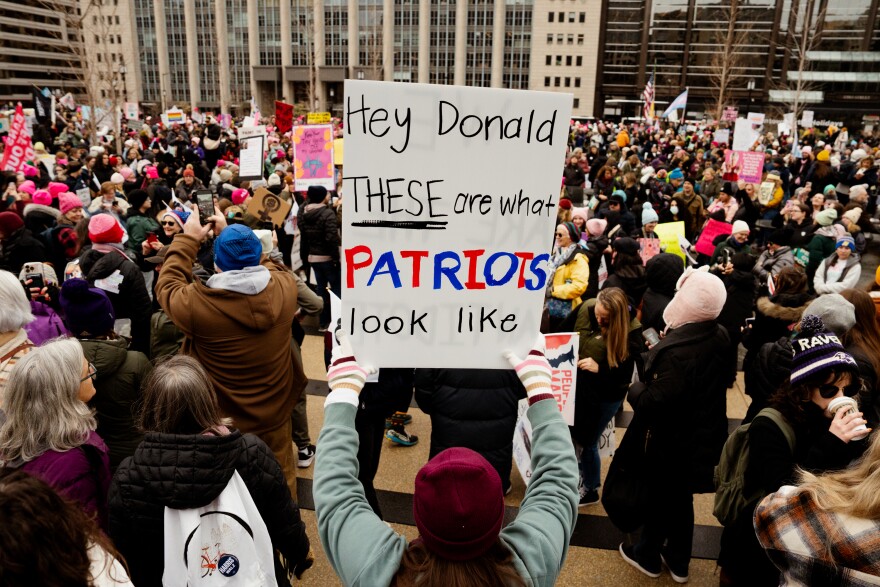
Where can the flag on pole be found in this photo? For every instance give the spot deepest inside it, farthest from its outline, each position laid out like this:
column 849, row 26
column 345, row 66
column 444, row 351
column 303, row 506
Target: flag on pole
column 680, row 103
column 18, row 144
column 42, row 106
column 649, row 99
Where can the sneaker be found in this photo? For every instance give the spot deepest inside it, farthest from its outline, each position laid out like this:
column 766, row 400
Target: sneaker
column 400, row 436
column 589, row 497
column 305, row 456
column 397, row 419
column 628, row 554
column 677, row 575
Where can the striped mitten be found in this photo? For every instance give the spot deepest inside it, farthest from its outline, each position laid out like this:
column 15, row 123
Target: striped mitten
column 534, row 372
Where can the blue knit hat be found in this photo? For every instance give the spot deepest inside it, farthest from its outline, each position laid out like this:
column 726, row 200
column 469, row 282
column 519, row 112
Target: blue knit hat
column 816, row 350
column 846, row 241
column 87, row 310
column 180, row 216
column 676, row 173
column 619, row 193
column 237, row 247
column 648, row 214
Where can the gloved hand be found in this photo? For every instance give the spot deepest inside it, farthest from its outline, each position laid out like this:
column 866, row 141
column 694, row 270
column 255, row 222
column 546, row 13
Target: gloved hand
column 534, row 371
column 304, row 565
column 344, row 371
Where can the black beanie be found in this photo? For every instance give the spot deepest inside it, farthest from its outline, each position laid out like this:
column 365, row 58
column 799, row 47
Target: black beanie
column 317, row 194
column 137, row 198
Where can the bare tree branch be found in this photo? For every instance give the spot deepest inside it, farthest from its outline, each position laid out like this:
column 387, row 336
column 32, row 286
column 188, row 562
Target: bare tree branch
column 729, row 60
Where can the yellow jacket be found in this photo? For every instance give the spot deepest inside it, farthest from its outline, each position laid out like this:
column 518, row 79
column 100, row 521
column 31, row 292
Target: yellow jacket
column 570, row 280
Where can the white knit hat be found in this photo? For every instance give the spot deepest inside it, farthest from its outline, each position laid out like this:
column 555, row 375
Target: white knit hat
column 740, row 226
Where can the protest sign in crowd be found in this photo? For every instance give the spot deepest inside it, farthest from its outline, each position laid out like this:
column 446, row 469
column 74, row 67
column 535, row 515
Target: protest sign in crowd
column 153, row 297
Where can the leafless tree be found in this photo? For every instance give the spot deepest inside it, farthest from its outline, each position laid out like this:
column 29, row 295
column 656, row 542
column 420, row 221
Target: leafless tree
column 728, row 61
column 804, row 35
column 88, row 52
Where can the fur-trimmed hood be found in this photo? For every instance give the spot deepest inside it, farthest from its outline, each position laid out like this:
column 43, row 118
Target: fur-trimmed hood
column 40, row 208
column 781, row 308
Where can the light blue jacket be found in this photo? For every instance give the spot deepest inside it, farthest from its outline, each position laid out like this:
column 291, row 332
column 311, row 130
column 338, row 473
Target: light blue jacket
column 364, row 551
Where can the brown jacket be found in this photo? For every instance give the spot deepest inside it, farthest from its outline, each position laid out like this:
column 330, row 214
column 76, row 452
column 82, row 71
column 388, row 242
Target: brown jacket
column 243, row 341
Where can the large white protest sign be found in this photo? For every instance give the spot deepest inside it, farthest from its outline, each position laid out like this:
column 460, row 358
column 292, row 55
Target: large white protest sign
column 744, row 135
column 252, row 141
column 450, row 198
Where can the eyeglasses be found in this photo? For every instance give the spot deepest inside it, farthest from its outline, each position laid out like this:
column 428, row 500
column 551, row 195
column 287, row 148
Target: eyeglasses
column 829, row 390
column 92, row 374
column 171, row 223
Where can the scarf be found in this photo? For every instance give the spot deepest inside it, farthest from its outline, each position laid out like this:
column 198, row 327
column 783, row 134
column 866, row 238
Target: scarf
column 560, row 258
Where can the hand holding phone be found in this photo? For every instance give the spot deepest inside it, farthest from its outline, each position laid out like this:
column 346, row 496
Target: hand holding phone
column 651, row 337
column 205, row 203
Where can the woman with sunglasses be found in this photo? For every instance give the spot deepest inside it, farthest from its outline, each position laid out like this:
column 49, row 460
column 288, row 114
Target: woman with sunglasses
column 821, row 371
column 49, row 430
column 571, row 274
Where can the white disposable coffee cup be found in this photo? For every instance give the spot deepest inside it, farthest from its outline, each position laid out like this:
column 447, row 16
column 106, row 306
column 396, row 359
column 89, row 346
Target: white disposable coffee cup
column 851, row 406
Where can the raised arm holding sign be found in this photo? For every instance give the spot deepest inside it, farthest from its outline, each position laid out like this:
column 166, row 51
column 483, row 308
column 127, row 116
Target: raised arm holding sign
column 451, row 196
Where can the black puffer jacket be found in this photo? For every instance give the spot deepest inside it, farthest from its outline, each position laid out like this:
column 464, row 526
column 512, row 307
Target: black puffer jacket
column 21, row 247
column 631, row 279
column 595, row 251
column 320, row 231
column 132, row 301
column 765, row 372
column 683, row 400
column 662, row 272
column 474, row 408
column 774, row 316
column 184, row 471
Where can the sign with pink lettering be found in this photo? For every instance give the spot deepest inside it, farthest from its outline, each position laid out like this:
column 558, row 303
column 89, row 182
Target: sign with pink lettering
column 313, row 157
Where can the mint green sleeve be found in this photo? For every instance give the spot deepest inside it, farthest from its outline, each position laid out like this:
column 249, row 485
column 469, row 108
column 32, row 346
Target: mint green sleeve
column 540, row 534
column 362, row 549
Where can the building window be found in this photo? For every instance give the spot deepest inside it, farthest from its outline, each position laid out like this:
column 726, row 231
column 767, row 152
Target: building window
column 571, row 17
column 577, row 103
column 577, row 82
column 579, row 60
column 547, row 82
column 568, row 60
column 99, row 58
column 581, row 39
column 556, row 81
column 571, row 39
column 549, row 39
column 560, row 38
column 568, row 82
column 559, row 60
column 550, row 17
column 561, row 17
column 582, row 18
column 549, row 60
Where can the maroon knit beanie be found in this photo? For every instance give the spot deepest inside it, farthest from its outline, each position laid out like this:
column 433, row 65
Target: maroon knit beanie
column 458, row 504
column 10, row 222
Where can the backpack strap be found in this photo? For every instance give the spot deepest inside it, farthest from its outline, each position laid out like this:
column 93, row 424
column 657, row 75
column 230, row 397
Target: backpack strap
column 15, row 351
column 778, row 419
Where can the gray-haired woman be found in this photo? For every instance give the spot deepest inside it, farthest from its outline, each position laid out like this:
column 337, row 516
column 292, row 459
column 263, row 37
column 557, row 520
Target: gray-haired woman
column 14, row 342
column 49, row 431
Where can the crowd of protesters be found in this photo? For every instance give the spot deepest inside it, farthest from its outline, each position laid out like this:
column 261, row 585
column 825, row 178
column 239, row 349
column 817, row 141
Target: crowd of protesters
column 150, row 356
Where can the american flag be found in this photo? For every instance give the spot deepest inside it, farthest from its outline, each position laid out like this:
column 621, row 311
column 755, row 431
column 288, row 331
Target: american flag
column 649, row 99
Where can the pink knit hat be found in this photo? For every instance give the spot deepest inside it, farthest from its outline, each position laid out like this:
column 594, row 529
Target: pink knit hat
column 27, row 187
column 68, row 201
column 596, row 226
column 579, row 213
column 152, row 173
column 126, row 172
column 42, row 197
column 56, row 188
column 103, row 228
column 699, row 297
column 239, row 196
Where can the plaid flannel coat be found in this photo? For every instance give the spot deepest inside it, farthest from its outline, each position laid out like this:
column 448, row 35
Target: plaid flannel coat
column 815, row 547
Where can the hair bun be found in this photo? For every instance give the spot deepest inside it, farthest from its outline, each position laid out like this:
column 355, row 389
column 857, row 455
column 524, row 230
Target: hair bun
column 811, row 323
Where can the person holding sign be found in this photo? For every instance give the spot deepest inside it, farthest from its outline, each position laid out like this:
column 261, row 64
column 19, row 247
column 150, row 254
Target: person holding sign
column 609, row 335
column 571, row 274
column 458, row 502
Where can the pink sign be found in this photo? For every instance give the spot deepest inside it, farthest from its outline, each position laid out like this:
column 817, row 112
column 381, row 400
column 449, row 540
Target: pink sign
column 745, row 165
column 648, row 248
column 313, row 156
column 710, row 232
column 729, row 114
column 18, row 144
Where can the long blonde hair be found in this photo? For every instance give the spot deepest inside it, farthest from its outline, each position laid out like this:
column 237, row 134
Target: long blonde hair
column 617, row 334
column 854, row 491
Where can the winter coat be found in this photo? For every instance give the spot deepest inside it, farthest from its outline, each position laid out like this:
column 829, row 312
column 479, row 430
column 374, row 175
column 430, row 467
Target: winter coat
column 661, row 274
column 595, row 251
column 319, row 230
column 820, row 248
column 474, row 408
column 19, row 248
column 139, row 225
column 848, row 279
column 184, row 471
column 816, row 450
column 741, row 287
column 365, row 552
column 242, row 340
column 631, row 279
column 772, row 262
column 132, row 301
column 81, row 474
column 774, row 318
column 184, row 192
column 766, row 370
column 802, row 233
column 718, row 255
column 165, row 338
column 806, row 541
column 571, row 278
column 694, row 205
column 39, row 218
column 120, row 374
column 682, row 398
